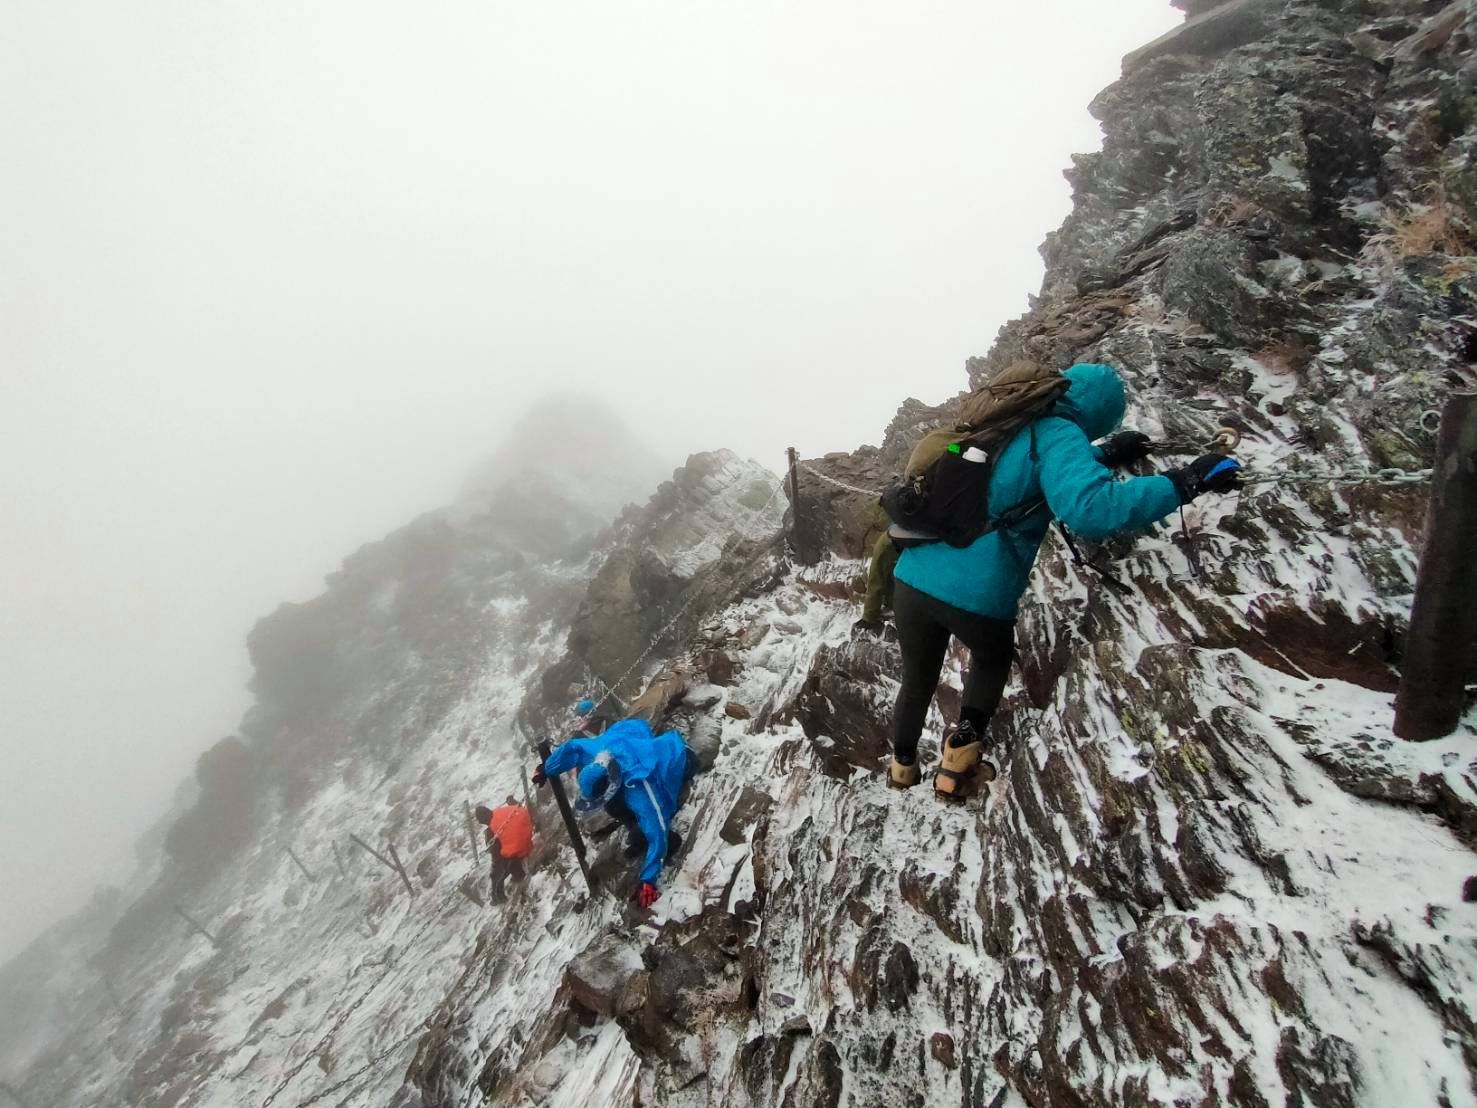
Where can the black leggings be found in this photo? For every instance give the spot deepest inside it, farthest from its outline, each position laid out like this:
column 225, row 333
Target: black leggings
column 924, row 625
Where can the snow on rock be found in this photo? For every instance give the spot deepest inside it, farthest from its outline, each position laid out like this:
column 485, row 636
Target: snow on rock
column 1208, row 873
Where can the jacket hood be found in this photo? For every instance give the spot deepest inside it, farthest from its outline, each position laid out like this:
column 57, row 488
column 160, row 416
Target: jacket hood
column 1094, row 400
column 599, row 782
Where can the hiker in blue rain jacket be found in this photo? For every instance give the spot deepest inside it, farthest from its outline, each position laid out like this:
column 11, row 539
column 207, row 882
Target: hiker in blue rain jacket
column 635, row 775
column 972, row 592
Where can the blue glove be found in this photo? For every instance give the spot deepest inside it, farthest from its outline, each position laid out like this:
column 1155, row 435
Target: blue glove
column 1207, row 473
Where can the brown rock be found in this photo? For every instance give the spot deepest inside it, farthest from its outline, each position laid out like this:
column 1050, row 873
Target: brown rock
column 603, row 978
column 941, row 1046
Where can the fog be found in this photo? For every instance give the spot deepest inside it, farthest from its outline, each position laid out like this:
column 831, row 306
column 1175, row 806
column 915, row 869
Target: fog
column 273, row 278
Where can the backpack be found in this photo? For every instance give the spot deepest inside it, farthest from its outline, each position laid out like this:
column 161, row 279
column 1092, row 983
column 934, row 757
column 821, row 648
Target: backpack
column 944, row 494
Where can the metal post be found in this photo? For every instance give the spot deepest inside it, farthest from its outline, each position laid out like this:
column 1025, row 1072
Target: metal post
column 1439, row 649
column 399, row 868
column 528, row 798
column 575, row 839
column 306, row 873
column 471, row 832
column 793, row 455
column 196, row 925
column 394, row 867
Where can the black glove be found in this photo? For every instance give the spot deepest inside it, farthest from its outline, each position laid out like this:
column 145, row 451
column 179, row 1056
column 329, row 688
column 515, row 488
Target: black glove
column 539, row 776
column 1126, row 447
column 1207, row 473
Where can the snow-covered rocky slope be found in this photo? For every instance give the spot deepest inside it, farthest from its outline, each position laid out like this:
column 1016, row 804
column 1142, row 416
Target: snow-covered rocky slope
column 1208, row 874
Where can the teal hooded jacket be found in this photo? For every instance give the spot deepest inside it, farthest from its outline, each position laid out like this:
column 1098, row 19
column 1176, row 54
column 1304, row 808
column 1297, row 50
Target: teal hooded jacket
column 1052, row 458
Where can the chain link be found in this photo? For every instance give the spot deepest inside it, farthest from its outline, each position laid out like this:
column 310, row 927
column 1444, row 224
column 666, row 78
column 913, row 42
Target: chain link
column 1387, row 476
column 840, row 484
column 610, row 693
column 1390, row 475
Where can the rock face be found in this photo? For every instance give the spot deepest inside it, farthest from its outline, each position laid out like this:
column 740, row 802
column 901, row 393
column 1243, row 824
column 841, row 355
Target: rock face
column 1207, row 875
column 664, row 567
column 837, row 510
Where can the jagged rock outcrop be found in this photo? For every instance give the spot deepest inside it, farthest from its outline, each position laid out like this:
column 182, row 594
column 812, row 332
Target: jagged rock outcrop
column 1207, row 875
column 1174, row 894
column 665, row 567
column 837, row 513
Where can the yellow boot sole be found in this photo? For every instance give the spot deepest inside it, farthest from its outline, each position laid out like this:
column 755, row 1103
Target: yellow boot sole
column 956, row 771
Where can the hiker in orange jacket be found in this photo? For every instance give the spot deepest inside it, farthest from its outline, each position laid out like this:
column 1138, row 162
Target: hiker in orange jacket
column 509, row 841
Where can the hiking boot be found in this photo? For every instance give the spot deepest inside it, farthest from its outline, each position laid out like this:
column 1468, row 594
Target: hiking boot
column 903, row 775
column 958, row 762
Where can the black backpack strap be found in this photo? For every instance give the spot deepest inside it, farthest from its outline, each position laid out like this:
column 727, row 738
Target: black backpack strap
column 1114, row 583
column 1023, row 511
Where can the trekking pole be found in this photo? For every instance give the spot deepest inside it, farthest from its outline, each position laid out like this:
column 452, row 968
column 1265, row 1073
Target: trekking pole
column 1187, row 540
column 575, row 838
column 1226, row 440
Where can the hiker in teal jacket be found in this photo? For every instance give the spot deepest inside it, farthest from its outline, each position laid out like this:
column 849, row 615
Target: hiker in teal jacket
column 972, row 592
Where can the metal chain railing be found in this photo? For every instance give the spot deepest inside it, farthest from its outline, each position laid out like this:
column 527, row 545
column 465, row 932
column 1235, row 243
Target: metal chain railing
column 840, row 484
column 610, row 693
column 1389, row 475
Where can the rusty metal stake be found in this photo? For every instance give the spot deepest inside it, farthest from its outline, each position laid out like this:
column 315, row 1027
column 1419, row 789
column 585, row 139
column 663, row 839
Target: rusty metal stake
column 299, row 862
column 1439, row 650
column 528, row 798
column 795, row 539
column 196, row 925
column 392, row 866
column 400, row 868
column 471, row 831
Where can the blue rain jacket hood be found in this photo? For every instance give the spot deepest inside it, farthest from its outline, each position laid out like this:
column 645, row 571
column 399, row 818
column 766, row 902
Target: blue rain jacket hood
column 1051, row 460
column 596, row 786
column 1094, row 401
column 652, row 770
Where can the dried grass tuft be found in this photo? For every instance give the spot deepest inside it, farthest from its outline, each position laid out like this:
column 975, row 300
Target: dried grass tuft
column 1285, row 356
column 1432, row 227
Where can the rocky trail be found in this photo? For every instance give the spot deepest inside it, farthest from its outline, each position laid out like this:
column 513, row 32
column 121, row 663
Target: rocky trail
column 1208, row 874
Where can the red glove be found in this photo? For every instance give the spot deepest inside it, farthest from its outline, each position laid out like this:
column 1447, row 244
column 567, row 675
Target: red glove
column 647, row 895
column 539, row 776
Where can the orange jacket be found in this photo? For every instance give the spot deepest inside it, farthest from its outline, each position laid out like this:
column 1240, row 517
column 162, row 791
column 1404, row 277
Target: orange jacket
column 513, row 829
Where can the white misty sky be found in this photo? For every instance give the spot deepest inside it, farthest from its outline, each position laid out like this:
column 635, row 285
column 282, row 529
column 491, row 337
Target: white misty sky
column 274, row 276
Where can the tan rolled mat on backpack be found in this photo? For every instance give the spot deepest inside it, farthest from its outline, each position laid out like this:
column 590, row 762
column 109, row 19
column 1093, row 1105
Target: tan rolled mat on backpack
column 1021, row 392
